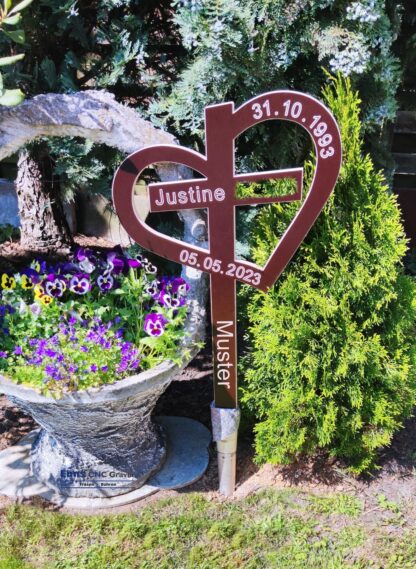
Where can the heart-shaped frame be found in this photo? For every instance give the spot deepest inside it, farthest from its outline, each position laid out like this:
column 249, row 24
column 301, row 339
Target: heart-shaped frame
column 223, row 125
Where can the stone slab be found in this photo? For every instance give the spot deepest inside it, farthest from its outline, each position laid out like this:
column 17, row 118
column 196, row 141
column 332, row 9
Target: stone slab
column 187, row 453
column 186, row 461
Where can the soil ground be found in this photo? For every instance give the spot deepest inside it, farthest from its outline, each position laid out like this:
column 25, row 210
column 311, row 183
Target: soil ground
column 12, row 254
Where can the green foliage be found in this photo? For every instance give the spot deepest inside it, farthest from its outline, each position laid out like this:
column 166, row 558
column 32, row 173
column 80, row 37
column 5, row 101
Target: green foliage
column 383, row 502
column 83, row 166
column 8, row 232
column 283, row 187
column 180, row 55
column 240, row 48
column 246, row 215
column 332, row 360
column 101, row 45
column 10, row 16
column 338, row 503
column 126, row 47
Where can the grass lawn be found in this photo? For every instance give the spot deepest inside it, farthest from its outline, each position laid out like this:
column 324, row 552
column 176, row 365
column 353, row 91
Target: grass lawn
column 273, row 528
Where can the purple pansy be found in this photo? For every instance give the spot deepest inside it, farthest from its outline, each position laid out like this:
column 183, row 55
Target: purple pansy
column 81, row 254
column 84, row 349
column 180, row 286
column 80, row 283
column 39, row 266
column 68, row 268
column 149, row 268
column 153, row 290
column 35, row 309
column 105, row 282
column 133, row 263
column 32, row 274
column 86, row 266
column 181, row 300
column 154, row 324
column 50, row 353
column 29, row 278
column 86, row 260
column 116, row 263
column 54, row 286
column 166, row 299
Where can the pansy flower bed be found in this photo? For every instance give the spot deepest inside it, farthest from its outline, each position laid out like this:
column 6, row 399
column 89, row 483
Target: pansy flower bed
column 90, row 321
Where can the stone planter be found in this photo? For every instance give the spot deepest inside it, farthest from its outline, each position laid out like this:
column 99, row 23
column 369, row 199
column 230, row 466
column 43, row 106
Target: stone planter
column 102, row 441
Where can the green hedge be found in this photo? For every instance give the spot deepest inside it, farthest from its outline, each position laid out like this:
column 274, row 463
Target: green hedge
column 332, row 355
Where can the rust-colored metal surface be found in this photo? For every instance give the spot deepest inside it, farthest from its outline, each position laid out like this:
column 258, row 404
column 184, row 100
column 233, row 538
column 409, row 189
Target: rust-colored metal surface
column 215, row 192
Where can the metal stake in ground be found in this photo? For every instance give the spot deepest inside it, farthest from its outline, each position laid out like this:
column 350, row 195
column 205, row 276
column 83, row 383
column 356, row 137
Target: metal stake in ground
column 215, row 191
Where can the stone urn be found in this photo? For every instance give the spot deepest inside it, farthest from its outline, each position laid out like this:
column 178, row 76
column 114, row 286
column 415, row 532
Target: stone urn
column 103, row 442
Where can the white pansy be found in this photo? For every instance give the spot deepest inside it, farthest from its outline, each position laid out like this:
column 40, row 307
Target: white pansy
column 35, row 309
column 86, row 266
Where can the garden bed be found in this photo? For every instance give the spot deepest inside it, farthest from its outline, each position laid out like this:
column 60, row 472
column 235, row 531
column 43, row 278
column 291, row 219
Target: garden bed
column 190, row 394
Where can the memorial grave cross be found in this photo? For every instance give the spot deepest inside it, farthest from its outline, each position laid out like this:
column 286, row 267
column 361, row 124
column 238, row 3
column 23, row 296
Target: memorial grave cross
column 216, row 192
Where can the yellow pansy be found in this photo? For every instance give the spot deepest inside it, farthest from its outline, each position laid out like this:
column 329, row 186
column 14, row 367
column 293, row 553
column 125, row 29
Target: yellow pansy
column 46, row 300
column 8, row 282
column 39, row 291
column 27, row 282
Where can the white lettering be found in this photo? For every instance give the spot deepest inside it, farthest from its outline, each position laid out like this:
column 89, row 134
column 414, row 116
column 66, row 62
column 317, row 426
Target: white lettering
column 219, row 194
column 171, row 198
column 191, row 195
column 161, row 198
column 182, row 198
column 223, row 349
column 224, row 324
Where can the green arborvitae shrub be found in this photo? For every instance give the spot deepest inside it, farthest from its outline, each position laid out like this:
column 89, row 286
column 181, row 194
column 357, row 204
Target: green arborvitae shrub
column 331, row 364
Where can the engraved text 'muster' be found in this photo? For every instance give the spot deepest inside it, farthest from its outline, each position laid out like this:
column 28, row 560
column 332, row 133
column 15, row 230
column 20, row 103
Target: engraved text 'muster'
column 224, row 341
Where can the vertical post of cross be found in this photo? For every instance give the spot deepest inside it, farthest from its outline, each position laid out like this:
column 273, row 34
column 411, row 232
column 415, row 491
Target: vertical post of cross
column 221, row 223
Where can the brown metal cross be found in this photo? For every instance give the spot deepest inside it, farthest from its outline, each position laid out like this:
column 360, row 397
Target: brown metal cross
column 215, row 191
